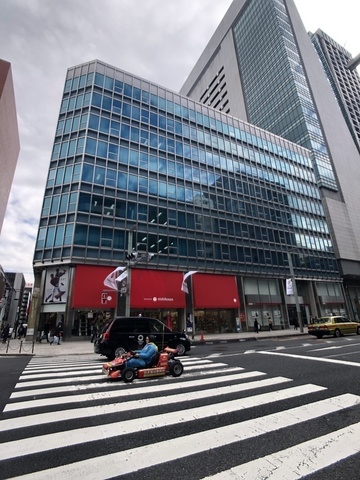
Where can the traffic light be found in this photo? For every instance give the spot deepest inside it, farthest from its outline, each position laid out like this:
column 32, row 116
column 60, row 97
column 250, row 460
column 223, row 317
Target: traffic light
column 132, row 256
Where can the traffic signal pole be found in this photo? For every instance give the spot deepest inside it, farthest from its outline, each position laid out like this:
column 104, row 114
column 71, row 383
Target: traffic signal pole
column 129, row 263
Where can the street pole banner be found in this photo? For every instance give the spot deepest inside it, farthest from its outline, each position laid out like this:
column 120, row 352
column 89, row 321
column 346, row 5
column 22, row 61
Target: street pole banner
column 122, row 276
column 110, row 280
column 289, row 287
column 184, row 286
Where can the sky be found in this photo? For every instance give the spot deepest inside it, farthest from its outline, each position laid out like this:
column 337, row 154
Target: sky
column 158, row 40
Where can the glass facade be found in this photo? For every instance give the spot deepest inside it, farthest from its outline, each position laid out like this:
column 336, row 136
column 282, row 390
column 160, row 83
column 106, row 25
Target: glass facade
column 290, row 112
column 345, row 82
column 206, row 191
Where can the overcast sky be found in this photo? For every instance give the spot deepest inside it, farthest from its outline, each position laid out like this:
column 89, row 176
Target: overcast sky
column 159, row 40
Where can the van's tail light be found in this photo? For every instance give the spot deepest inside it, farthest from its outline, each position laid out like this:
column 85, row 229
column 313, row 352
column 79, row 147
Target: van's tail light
column 106, row 335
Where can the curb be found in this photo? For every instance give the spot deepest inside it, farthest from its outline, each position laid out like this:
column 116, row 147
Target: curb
column 248, row 339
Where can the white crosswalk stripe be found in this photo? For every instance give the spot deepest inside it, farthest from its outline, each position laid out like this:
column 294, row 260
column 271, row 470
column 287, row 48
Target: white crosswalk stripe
column 89, row 408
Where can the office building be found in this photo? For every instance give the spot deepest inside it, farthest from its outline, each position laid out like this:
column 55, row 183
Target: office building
column 14, row 285
column 345, row 81
column 138, row 168
column 9, row 136
column 261, row 66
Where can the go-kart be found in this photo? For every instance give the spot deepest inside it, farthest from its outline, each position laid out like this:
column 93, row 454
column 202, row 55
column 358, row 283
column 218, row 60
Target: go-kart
column 164, row 363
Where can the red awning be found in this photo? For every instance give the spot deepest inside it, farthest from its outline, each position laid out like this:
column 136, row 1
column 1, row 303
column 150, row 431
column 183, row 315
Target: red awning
column 215, row 291
column 156, row 289
column 89, row 290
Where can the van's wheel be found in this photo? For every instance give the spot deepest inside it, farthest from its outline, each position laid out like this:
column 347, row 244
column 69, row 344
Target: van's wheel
column 358, row 331
column 128, row 375
column 119, row 351
column 176, row 368
column 181, row 349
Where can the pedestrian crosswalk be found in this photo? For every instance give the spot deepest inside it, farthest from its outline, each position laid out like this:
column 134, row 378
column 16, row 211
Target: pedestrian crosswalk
column 66, row 419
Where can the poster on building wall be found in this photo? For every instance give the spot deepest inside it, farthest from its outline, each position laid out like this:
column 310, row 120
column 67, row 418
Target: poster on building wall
column 56, row 285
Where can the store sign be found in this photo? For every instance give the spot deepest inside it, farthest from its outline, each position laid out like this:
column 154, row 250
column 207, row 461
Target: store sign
column 156, row 289
column 89, row 291
column 289, row 287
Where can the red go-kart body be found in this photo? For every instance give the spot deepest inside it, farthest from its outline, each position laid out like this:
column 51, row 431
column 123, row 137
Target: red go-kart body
column 163, row 363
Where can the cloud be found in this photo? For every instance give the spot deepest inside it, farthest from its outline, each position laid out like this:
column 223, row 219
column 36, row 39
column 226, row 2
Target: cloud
column 159, row 40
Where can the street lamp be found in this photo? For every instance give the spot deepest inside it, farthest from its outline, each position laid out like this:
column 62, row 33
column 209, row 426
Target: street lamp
column 293, row 281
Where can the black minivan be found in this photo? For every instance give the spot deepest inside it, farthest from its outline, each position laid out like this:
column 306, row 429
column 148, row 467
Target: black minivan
column 129, row 333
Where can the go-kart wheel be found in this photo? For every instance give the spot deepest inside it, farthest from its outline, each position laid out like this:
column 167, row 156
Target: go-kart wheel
column 128, row 374
column 180, row 347
column 176, row 368
column 119, row 351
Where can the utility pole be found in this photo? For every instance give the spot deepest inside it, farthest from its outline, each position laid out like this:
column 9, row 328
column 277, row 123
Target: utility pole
column 129, row 265
column 293, row 281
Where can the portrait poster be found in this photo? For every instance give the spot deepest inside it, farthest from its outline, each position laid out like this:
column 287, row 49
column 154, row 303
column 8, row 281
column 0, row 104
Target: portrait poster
column 56, row 285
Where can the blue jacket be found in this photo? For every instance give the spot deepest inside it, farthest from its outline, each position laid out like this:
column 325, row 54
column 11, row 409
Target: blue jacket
column 144, row 356
column 148, row 352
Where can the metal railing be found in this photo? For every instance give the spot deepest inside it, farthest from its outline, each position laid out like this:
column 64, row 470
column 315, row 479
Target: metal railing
column 11, row 347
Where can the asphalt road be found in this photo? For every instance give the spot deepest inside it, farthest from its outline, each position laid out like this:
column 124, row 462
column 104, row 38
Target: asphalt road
column 11, row 368
column 279, row 409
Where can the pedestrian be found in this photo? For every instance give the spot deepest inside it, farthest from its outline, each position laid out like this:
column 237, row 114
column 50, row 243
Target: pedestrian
column 5, row 333
column 94, row 331
column 256, row 326
column 20, row 331
column 57, row 334
column 270, row 324
column 46, row 331
column 296, row 324
column 108, row 320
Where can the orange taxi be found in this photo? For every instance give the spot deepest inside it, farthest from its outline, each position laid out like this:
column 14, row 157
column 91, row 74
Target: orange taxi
column 335, row 325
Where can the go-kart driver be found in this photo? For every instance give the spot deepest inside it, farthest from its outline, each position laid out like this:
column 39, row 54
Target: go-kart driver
column 142, row 358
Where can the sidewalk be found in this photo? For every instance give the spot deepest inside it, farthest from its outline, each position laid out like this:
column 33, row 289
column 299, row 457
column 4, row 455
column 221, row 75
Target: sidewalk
column 84, row 347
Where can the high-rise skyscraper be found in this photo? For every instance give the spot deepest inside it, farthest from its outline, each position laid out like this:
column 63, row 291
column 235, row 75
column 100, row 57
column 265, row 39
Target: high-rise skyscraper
column 9, row 136
column 344, row 80
column 261, row 66
column 137, row 168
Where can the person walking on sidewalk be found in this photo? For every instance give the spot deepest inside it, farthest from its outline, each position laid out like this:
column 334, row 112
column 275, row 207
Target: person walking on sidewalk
column 46, row 331
column 256, row 326
column 270, row 324
column 57, row 334
column 94, row 331
column 5, row 333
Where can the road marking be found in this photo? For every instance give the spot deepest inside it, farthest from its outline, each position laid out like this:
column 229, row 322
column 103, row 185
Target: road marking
column 319, row 453
column 172, row 397
column 59, row 374
column 110, row 384
column 71, row 414
column 100, row 376
column 333, row 348
column 75, row 371
column 305, row 357
column 42, row 443
column 107, row 466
